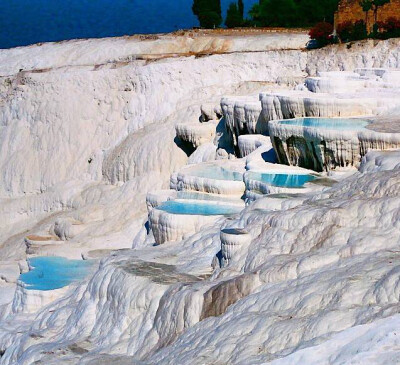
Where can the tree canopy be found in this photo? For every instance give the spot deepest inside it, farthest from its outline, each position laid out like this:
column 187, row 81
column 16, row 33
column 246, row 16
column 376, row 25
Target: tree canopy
column 234, row 18
column 208, row 12
column 293, row 13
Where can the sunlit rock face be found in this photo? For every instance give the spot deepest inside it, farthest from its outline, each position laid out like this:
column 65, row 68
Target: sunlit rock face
column 233, row 240
column 172, row 222
column 295, row 104
column 337, row 143
column 224, row 178
column 196, row 134
column 307, row 271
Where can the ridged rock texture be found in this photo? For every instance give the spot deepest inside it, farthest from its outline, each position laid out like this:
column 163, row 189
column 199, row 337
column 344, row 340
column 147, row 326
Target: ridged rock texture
column 88, row 129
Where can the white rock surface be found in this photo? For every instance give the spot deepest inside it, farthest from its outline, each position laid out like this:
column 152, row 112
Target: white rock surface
column 319, row 281
column 326, row 149
column 196, row 134
column 247, row 144
column 168, row 227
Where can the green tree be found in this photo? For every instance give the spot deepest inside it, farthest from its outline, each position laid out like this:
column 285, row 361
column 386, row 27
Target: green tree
column 366, row 6
column 310, row 12
column 303, row 13
column 233, row 17
column 241, row 8
column 208, row 12
column 275, row 13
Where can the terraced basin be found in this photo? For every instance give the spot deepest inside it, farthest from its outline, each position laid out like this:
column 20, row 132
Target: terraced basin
column 282, row 180
column 216, row 173
column 198, row 208
column 50, row 273
column 210, row 178
column 347, row 124
column 323, row 144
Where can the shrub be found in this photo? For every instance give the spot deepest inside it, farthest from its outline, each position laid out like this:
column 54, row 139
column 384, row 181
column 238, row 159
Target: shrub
column 391, row 25
column 359, row 31
column 322, row 32
column 344, row 31
column 389, row 29
column 349, row 31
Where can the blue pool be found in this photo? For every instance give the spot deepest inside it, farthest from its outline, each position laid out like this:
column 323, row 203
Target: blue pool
column 347, row 124
column 216, row 173
column 190, row 208
column 282, row 180
column 194, row 195
column 51, row 273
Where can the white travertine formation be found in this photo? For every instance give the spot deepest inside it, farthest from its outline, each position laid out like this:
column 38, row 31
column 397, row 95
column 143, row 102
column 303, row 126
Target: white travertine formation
column 380, row 161
column 194, row 178
column 317, row 251
column 156, row 198
column 335, row 85
column 212, row 186
column 242, row 115
column 325, row 149
column 295, row 104
column 249, row 143
column 196, row 134
column 31, row 301
column 167, row 227
column 256, row 188
column 254, row 118
column 232, row 241
column 227, row 107
column 370, row 71
column 210, row 111
column 319, row 281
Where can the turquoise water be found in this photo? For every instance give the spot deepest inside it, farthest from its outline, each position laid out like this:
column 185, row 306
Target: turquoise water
column 190, row 208
column 51, row 273
column 192, row 195
column 346, row 124
column 282, row 180
column 216, row 173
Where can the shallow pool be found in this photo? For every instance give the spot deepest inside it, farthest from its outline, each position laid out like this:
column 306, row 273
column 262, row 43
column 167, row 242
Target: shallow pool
column 49, row 273
column 282, row 180
column 347, row 124
column 216, row 173
column 194, row 195
column 191, row 208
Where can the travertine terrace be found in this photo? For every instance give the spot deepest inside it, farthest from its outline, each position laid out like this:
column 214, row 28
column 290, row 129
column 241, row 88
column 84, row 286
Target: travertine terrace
column 225, row 219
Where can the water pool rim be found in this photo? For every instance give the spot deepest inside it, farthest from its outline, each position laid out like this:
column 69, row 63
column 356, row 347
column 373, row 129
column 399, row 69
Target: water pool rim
column 358, row 123
column 49, row 273
column 196, row 172
column 199, row 208
column 258, row 176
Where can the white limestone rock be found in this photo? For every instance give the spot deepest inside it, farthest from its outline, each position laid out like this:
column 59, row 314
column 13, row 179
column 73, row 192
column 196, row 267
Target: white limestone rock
column 310, row 273
column 196, row 134
column 167, row 227
column 210, row 111
column 325, row 149
column 232, row 241
column 380, row 161
column 156, row 198
column 194, row 178
column 247, row 144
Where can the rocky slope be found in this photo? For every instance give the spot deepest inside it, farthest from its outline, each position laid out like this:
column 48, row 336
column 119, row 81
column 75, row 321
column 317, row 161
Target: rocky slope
column 87, row 129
